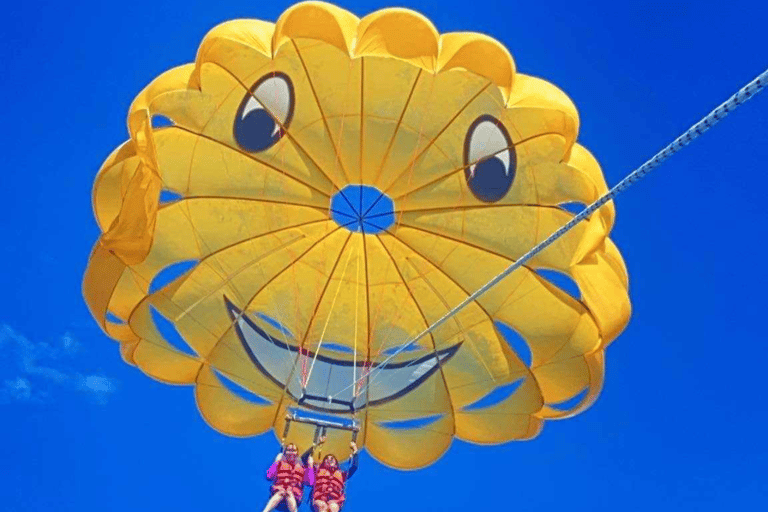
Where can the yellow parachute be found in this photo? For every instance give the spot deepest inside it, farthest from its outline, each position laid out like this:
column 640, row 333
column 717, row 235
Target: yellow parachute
column 327, row 187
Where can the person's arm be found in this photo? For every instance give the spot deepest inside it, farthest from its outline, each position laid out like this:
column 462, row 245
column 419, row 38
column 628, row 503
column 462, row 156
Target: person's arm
column 352, row 465
column 306, row 457
column 309, row 473
column 272, row 471
column 353, row 460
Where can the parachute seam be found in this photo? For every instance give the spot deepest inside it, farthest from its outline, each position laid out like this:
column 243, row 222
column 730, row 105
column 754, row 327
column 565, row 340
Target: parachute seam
column 430, row 99
column 362, row 117
column 249, row 156
column 322, row 113
column 433, row 140
column 397, row 128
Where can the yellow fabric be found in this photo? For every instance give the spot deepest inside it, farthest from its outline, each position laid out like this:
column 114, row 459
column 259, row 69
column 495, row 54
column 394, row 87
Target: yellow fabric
column 383, row 101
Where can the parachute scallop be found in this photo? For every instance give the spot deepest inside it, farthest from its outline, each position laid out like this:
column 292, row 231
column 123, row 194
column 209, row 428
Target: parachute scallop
column 327, row 187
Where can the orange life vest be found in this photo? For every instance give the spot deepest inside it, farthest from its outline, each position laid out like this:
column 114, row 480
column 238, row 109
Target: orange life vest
column 329, row 483
column 290, row 475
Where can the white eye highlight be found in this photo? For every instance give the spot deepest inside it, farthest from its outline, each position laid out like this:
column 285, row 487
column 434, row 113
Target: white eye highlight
column 264, row 112
column 487, row 140
column 490, row 159
column 274, row 95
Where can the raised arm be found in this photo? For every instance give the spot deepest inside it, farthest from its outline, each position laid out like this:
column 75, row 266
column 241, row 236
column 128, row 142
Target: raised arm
column 306, row 457
column 352, row 461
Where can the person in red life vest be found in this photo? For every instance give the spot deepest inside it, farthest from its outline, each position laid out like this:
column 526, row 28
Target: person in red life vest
column 330, row 481
column 289, row 475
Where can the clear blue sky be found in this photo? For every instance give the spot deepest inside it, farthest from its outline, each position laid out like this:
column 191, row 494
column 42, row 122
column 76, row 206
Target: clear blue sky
column 681, row 422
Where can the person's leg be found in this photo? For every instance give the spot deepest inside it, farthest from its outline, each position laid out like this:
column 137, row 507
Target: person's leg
column 290, row 499
column 333, row 506
column 320, row 506
column 274, row 500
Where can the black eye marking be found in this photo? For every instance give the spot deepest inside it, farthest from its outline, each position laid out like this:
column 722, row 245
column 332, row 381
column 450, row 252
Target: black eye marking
column 264, row 112
column 490, row 159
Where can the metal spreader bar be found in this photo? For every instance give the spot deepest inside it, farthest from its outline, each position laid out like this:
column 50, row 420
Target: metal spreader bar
column 321, row 424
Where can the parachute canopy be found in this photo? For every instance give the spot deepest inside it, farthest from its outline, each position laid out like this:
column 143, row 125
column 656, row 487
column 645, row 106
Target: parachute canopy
column 298, row 204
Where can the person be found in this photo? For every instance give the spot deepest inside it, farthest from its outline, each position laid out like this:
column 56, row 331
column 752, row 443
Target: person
column 289, row 475
column 330, row 481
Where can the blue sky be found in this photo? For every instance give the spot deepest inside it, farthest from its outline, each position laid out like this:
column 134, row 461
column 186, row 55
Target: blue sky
column 680, row 424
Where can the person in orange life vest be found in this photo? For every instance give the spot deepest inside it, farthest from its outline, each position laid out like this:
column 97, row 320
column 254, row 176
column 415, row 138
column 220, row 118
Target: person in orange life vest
column 289, row 475
column 330, row 480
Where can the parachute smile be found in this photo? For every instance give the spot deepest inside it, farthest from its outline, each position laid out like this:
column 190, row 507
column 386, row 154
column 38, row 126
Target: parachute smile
column 328, row 387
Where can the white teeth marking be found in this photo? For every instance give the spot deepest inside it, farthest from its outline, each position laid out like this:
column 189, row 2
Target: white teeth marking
column 423, row 368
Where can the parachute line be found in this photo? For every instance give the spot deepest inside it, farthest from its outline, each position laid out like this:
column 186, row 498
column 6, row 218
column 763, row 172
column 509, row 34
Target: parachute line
column 744, row 94
column 357, row 311
column 327, row 321
column 232, row 276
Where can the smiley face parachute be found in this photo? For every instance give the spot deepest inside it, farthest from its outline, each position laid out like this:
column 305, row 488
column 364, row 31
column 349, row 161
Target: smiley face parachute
column 322, row 190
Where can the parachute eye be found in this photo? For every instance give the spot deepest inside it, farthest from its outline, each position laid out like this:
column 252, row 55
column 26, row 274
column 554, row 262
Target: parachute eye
column 264, row 113
column 489, row 158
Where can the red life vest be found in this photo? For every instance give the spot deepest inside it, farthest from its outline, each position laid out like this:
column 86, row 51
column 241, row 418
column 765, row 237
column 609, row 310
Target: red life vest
column 290, row 475
column 329, row 483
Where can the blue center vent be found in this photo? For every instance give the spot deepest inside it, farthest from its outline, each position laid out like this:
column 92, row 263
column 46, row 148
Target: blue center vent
column 362, row 208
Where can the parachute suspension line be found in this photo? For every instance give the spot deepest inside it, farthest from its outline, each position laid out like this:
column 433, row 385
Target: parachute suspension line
column 744, row 94
column 280, row 310
column 357, row 311
column 327, row 321
column 273, row 217
column 280, row 306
